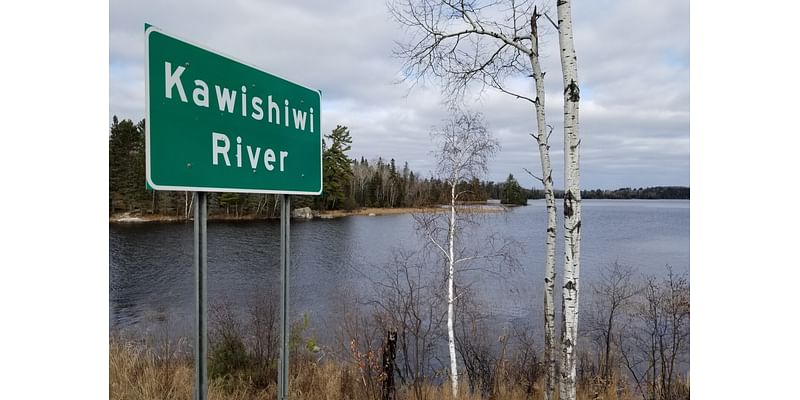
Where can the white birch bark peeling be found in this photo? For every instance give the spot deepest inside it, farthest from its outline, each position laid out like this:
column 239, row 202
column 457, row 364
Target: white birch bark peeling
column 572, row 202
column 542, row 139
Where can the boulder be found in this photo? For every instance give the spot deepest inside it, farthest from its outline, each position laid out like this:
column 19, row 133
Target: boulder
column 303, row 213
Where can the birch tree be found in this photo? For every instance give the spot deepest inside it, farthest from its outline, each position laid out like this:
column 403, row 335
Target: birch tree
column 464, row 148
column 572, row 202
column 463, row 43
column 550, row 347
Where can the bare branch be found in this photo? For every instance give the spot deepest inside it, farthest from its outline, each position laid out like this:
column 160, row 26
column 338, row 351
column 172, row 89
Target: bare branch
column 462, row 42
column 551, row 21
column 534, row 176
column 496, row 85
column 472, row 258
column 430, row 237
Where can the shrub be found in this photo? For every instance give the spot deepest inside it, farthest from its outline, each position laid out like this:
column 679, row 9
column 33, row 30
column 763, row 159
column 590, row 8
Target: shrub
column 228, row 358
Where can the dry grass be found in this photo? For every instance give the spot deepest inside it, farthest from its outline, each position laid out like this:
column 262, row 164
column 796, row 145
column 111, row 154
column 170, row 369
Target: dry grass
column 138, row 373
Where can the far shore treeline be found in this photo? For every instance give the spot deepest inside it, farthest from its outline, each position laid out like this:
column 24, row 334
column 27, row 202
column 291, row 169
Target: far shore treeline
column 347, row 184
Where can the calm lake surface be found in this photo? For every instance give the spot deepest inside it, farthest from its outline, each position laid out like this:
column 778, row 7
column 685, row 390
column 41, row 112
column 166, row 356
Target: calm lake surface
column 151, row 274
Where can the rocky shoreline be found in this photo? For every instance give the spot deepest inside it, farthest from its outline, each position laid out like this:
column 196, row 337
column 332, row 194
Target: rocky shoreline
column 305, row 213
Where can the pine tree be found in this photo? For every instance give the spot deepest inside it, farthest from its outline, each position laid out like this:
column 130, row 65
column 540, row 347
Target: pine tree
column 126, row 165
column 512, row 192
column 336, row 168
column 226, row 200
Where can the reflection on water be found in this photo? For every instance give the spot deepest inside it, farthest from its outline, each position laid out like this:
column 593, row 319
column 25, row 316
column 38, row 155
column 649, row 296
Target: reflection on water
column 151, row 272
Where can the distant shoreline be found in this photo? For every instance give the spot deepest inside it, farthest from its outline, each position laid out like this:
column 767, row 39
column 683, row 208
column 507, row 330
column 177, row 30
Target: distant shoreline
column 138, row 217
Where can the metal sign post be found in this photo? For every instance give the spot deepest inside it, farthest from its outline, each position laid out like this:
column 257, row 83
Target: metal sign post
column 200, row 296
column 283, row 371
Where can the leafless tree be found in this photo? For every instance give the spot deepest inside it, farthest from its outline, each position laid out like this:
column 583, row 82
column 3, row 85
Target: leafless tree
column 612, row 293
column 572, row 201
column 263, row 338
column 655, row 338
column 361, row 175
column 493, row 357
column 463, row 43
column 524, row 367
column 407, row 298
column 472, row 43
column 360, row 336
column 464, row 147
column 478, row 354
column 543, row 140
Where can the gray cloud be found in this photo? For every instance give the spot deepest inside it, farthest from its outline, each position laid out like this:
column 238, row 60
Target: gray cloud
column 633, row 64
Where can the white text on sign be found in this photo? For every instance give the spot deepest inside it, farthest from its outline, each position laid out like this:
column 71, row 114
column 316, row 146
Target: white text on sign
column 221, row 146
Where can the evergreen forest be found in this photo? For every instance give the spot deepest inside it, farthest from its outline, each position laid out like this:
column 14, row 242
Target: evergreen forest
column 348, row 184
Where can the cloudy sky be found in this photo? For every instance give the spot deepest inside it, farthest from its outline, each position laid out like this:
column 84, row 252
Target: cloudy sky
column 633, row 60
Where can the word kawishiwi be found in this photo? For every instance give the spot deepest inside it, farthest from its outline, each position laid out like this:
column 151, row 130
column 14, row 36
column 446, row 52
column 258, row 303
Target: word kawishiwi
column 226, row 100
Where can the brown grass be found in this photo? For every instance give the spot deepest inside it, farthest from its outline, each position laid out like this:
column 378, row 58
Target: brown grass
column 138, row 373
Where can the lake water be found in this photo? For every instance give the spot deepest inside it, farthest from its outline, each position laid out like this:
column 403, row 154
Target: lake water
column 151, row 272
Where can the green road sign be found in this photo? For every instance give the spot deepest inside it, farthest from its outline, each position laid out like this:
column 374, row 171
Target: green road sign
column 216, row 124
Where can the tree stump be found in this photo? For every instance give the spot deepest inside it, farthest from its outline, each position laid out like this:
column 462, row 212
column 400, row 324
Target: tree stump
column 387, row 365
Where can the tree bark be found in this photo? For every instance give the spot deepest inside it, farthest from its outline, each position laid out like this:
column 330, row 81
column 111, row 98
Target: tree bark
column 542, row 139
column 609, row 329
column 572, row 202
column 451, row 337
column 189, row 203
column 388, row 356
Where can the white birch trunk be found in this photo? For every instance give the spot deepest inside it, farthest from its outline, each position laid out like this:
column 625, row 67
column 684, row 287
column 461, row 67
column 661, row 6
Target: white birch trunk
column 572, row 202
column 542, row 138
column 451, row 337
column 189, row 205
